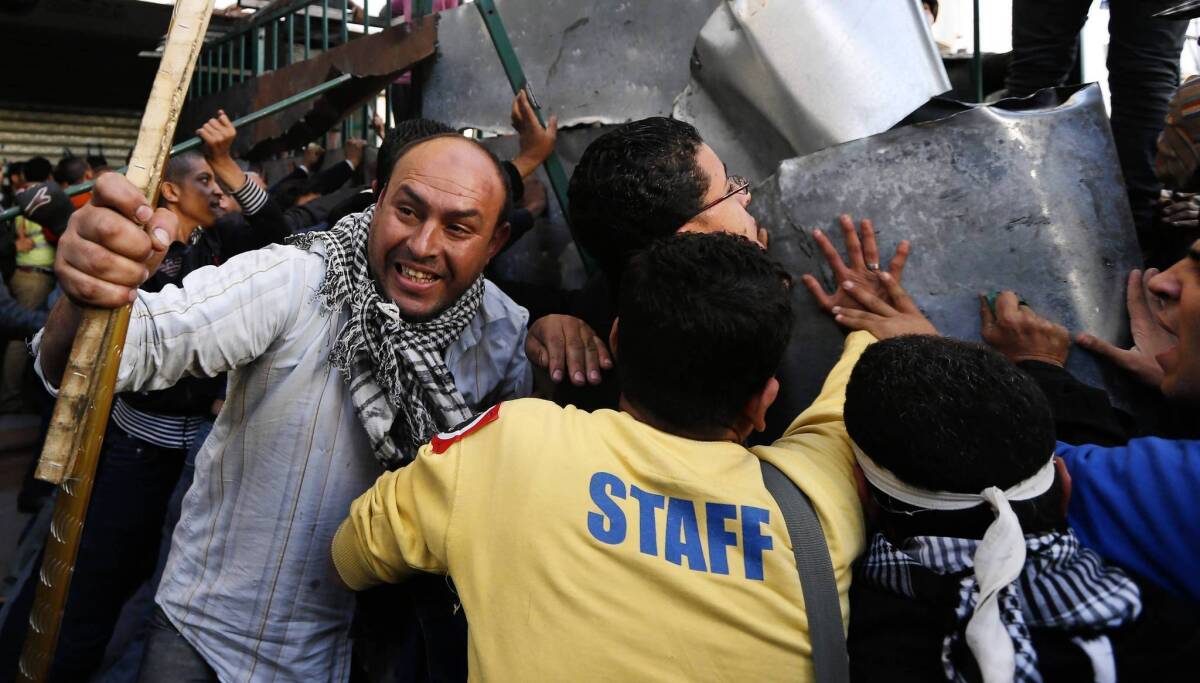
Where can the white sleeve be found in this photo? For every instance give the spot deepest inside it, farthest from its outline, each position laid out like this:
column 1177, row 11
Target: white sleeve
column 222, row 318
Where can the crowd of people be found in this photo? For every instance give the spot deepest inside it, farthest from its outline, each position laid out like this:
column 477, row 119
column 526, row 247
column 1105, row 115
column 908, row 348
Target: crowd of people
column 339, row 450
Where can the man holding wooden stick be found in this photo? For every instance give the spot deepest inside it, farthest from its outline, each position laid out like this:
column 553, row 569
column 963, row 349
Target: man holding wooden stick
column 357, row 342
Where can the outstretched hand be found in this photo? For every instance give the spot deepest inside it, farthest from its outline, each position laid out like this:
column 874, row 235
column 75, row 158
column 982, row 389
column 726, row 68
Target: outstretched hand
column 1149, row 338
column 896, row 316
column 863, row 269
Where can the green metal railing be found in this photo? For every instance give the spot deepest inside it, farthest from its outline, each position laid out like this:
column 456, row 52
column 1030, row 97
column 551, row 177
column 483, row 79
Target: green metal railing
column 269, row 40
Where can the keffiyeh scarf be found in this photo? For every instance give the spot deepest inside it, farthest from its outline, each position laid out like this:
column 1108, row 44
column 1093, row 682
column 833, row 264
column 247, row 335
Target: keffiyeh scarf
column 1061, row 586
column 401, row 389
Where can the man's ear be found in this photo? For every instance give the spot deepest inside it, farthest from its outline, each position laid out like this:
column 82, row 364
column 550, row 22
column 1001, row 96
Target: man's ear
column 499, row 238
column 755, row 411
column 169, row 191
column 612, row 338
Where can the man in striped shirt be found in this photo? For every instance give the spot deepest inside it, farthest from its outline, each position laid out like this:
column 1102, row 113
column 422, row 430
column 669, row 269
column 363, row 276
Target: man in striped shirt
column 151, row 432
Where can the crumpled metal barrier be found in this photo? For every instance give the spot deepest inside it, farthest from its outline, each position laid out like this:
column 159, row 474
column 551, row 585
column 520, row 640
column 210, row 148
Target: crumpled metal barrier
column 763, row 80
column 595, row 61
column 1025, row 195
column 774, row 79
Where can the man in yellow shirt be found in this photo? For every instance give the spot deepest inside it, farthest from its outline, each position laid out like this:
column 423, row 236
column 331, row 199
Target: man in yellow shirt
column 639, row 544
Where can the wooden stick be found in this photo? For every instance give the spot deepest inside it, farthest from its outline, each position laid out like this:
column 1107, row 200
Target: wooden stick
column 72, row 447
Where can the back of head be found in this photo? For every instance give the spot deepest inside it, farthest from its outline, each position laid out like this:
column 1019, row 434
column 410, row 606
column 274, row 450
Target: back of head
column 703, row 323
column 634, row 185
column 71, row 170
column 38, row 170
column 947, row 415
column 405, row 133
column 97, row 161
column 15, row 169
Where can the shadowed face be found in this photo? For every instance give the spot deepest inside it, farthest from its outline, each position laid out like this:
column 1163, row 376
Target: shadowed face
column 1178, row 291
column 728, row 215
column 437, row 225
column 194, row 196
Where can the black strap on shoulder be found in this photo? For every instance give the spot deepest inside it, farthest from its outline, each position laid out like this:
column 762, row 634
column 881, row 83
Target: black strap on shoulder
column 830, row 661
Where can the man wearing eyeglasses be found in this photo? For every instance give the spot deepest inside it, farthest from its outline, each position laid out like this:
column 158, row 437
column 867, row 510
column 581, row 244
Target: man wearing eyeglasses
column 635, row 185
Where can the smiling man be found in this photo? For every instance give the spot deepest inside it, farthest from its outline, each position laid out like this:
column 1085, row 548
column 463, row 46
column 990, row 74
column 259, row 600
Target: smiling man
column 344, row 350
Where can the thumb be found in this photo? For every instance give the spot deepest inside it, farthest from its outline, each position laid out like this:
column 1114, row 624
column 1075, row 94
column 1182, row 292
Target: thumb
column 536, row 351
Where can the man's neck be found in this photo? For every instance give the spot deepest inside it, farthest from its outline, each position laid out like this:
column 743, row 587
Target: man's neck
column 716, row 434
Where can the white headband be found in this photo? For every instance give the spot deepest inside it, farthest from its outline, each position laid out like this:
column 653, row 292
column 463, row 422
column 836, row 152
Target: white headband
column 998, row 561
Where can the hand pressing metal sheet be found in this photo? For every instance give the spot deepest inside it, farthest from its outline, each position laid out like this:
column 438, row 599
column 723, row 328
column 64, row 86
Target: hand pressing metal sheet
column 1023, row 195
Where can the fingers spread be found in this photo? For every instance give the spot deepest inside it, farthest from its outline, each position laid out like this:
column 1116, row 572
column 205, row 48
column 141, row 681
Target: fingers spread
column 901, row 301
column 869, row 248
column 823, row 300
column 831, row 255
column 896, row 267
column 853, row 246
column 868, row 300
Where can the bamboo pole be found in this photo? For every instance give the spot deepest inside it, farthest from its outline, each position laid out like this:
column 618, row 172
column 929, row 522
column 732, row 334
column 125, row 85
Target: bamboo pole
column 72, row 447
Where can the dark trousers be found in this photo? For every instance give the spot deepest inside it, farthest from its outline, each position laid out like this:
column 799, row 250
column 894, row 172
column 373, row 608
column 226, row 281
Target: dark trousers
column 169, row 657
column 117, row 552
column 1143, row 72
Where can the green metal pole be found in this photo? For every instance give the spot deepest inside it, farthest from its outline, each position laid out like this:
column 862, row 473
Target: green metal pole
column 193, row 143
column 422, row 8
column 208, row 74
column 229, row 82
column 220, row 65
column 291, row 33
column 242, row 40
column 307, row 33
column 324, row 25
column 516, row 79
column 977, row 62
column 274, row 45
column 345, row 22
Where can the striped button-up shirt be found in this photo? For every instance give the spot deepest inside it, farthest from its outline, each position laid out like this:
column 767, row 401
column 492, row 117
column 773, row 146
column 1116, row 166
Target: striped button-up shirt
column 249, row 582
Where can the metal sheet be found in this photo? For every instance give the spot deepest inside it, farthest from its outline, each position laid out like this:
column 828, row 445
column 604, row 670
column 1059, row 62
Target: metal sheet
column 811, row 73
column 1024, row 195
column 588, row 62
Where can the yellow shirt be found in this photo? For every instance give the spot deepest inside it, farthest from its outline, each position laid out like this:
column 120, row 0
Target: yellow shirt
column 591, row 546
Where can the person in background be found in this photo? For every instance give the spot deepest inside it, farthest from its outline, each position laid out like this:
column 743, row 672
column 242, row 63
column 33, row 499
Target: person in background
column 45, row 211
column 1143, row 71
column 73, row 170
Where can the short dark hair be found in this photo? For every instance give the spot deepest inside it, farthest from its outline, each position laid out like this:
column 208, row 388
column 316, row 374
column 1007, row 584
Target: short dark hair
column 15, row 168
column 633, row 186
column 179, row 165
column 703, row 321
column 405, row 133
column 948, row 415
column 71, row 170
column 505, row 208
column 97, row 161
column 38, row 170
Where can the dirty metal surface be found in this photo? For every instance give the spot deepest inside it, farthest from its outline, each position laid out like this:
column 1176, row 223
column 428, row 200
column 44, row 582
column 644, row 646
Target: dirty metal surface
column 1024, row 195
column 598, row 61
column 375, row 60
column 788, row 78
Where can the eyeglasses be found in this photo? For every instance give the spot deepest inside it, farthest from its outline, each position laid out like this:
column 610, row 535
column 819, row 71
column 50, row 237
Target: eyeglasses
column 737, row 184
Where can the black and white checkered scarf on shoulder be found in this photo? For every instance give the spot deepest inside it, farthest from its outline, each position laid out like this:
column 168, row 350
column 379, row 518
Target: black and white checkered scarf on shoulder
column 400, row 386
column 1062, row 586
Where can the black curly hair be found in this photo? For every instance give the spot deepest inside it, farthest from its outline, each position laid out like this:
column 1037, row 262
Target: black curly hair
column 704, row 319
column 633, row 186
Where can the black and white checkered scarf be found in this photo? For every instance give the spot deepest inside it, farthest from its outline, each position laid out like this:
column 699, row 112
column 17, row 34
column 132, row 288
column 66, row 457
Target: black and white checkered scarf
column 1062, row 586
column 400, row 386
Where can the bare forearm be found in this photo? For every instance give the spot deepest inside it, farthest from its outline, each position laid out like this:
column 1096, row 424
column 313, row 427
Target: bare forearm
column 57, row 339
column 229, row 173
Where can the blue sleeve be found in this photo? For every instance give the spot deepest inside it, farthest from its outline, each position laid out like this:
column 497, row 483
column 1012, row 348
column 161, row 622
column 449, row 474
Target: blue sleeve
column 1135, row 505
